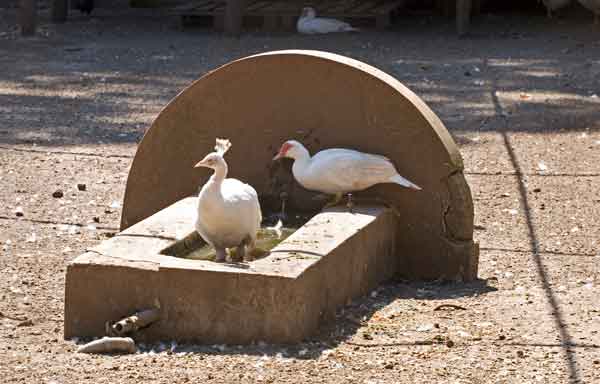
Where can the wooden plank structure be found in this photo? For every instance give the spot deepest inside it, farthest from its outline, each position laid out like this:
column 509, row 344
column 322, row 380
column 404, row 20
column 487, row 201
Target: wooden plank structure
column 229, row 14
column 283, row 14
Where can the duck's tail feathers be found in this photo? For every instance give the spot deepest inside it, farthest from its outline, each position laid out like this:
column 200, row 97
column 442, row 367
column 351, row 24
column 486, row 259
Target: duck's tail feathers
column 404, row 182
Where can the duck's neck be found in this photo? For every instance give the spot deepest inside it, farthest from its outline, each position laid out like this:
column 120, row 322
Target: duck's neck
column 301, row 161
column 220, row 174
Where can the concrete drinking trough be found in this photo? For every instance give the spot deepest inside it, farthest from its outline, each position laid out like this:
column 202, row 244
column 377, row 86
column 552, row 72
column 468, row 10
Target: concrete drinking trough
column 323, row 100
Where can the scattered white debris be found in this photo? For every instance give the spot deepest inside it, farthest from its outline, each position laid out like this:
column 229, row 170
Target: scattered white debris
column 561, row 288
column 374, row 294
column 484, row 324
column 425, row 328
column 574, row 229
column 19, row 211
column 32, row 238
column 115, row 205
column 91, row 227
column 463, row 334
column 513, row 211
column 542, row 167
column 508, row 275
column 302, row 352
column 66, row 250
column 594, row 96
column 520, row 289
column 15, row 290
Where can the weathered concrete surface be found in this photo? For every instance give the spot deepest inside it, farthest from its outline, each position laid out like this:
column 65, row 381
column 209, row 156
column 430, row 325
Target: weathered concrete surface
column 281, row 298
column 323, row 100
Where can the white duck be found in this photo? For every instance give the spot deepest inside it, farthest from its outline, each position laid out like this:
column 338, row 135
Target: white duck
column 337, row 171
column 594, row 6
column 554, row 5
column 228, row 210
column 310, row 24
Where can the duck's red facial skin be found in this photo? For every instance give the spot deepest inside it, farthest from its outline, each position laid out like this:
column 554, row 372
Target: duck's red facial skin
column 283, row 150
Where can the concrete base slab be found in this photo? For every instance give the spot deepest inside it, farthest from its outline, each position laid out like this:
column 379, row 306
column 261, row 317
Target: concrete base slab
column 281, row 298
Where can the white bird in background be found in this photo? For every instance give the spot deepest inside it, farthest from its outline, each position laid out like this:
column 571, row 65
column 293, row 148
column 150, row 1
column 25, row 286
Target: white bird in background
column 310, row 24
column 554, row 5
column 337, row 171
column 594, row 6
column 228, row 210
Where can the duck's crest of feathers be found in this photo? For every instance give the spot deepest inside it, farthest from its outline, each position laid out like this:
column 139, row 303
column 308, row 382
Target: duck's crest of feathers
column 222, row 146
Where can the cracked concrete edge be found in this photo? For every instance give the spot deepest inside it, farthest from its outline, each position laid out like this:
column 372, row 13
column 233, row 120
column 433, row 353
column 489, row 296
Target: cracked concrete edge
column 458, row 226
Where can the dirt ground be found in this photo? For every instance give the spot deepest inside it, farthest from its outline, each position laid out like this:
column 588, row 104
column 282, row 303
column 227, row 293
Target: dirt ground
column 521, row 96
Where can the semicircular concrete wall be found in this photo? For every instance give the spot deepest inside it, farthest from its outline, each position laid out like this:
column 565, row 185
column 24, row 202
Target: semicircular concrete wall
column 323, row 100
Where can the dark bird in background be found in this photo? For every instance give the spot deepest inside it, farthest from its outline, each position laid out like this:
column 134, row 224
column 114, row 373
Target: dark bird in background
column 85, row 6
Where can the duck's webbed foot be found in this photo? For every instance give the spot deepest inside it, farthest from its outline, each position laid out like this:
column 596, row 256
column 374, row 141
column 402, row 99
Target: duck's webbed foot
column 350, row 203
column 240, row 253
column 243, row 254
column 221, row 255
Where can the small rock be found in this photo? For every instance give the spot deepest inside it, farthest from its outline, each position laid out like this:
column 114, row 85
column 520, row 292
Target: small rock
column 467, row 73
column 57, row 194
column 389, row 365
column 480, row 227
column 96, row 219
column 19, row 211
column 520, row 354
column 367, row 336
column 537, row 190
column 449, row 343
column 81, row 187
column 597, row 362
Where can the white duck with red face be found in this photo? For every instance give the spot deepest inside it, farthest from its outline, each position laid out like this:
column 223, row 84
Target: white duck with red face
column 337, row 171
column 228, row 210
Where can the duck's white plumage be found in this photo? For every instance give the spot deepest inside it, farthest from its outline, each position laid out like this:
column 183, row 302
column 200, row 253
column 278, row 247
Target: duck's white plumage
column 308, row 23
column 594, row 6
column 338, row 170
column 228, row 210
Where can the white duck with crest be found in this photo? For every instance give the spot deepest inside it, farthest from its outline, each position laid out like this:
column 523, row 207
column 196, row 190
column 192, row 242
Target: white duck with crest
column 309, row 24
column 337, row 171
column 229, row 213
